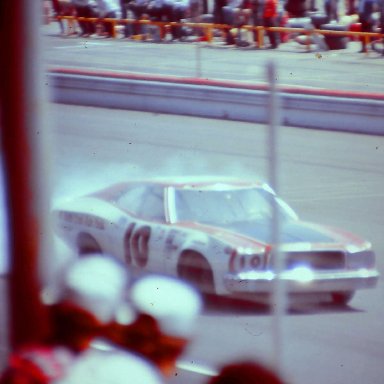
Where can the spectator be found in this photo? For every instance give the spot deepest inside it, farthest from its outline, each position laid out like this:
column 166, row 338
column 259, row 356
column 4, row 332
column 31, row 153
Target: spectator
column 366, row 9
column 231, row 17
column 257, row 10
column 64, row 8
column 296, row 8
column 270, row 20
column 245, row 372
column 161, row 10
column 350, row 7
column 84, row 8
column 218, row 14
column 37, row 364
column 84, row 300
column 127, row 30
column 380, row 8
column 180, row 11
column 81, row 305
column 139, row 9
column 166, row 312
column 57, row 11
column 331, row 9
column 110, row 367
column 108, row 9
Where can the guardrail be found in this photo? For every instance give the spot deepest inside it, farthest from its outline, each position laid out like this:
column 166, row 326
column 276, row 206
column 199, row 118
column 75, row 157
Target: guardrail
column 329, row 110
column 208, row 29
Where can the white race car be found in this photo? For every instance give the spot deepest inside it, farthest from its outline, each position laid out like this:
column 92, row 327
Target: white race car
column 218, row 236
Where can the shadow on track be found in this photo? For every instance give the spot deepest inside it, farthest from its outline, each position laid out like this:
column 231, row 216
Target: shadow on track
column 224, row 306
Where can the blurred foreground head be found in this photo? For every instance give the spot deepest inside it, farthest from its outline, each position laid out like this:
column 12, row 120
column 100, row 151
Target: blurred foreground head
column 245, row 372
column 110, row 367
column 167, row 311
column 85, row 299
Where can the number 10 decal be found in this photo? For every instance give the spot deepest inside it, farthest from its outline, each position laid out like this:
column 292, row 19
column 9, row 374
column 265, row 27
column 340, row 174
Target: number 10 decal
column 136, row 245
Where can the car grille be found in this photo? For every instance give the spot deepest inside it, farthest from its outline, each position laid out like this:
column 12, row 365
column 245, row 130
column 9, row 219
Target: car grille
column 363, row 259
column 324, row 260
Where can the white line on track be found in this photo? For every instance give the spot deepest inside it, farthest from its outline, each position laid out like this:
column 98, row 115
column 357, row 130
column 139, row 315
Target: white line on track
column 196, row 368
column 338, row 197
column 190, row 366
column 81, row 44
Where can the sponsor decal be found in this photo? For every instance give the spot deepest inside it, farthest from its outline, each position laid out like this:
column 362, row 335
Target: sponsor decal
column 240, row 262
column 82, row 219
column 136, row 245
column 169, row 245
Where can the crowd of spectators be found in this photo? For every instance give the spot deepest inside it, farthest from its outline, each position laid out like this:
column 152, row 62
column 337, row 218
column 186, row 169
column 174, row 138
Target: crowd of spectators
column 155, row 10
column 231, row 15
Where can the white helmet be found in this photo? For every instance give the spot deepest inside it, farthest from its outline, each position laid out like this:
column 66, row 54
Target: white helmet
column 174, row 304
column 110, row 367
column 96, row 283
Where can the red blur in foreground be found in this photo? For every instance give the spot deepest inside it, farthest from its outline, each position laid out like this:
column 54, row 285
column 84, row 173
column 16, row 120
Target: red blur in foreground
column 19, row 111
column 245, row 372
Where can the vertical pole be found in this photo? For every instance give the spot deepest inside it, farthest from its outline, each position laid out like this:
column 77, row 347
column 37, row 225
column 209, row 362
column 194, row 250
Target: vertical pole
column 22, row 136
column 198, row 60
column 278, row 296
column 4, row 270
column 380, row 4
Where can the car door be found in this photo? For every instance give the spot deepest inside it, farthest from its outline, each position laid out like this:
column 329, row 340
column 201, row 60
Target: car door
column 144, row 237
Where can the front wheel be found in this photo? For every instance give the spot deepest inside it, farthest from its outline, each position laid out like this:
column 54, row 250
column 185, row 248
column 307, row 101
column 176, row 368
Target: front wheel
column 342, row 298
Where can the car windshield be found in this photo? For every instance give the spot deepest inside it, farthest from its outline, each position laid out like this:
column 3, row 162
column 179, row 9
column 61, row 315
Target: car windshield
column 229, row 206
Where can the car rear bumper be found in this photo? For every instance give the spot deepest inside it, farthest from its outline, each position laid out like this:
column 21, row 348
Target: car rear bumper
column 302, row 281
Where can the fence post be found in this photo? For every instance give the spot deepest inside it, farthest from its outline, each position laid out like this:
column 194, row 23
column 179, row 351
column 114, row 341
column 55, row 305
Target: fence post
column 366, row 40
column 260, row 37
column 209, row 34
column 113, row 22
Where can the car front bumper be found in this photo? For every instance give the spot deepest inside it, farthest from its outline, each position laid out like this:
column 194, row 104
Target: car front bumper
column 301, row 280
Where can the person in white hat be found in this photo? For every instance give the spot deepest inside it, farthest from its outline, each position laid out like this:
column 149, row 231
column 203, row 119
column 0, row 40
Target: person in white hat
column 85, row 299
column 82, row 304
column 166, row 313
column 96, row 289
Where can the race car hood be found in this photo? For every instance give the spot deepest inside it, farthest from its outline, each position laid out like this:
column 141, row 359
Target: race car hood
column 298, row 232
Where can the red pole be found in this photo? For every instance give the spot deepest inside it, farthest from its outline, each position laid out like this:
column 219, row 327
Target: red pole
column 20, row 131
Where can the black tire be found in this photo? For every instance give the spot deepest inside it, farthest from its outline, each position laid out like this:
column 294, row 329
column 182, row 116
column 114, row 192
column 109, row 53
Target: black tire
column 195, row 269
column 87, row 244
column 342, row 298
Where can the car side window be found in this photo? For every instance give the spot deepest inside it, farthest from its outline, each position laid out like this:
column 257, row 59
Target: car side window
column 144, row 201
column 153, row 204
column 132, row 199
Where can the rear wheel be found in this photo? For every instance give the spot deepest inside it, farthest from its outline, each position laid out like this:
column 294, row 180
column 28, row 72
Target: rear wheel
column 342, row 298
column 87, row 244
column 194, row 268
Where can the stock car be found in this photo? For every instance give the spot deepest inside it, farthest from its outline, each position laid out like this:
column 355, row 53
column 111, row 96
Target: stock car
column 219, row 236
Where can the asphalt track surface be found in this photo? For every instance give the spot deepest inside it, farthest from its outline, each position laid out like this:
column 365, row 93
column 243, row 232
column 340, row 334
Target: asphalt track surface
column 328, row 177
column 337, row 70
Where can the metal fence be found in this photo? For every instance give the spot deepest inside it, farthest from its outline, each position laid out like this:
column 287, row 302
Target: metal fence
column 206, row 31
